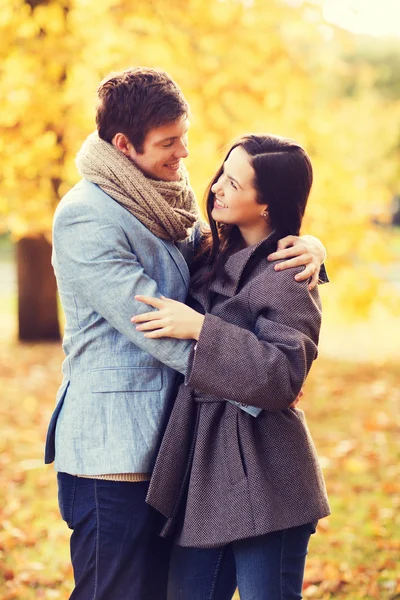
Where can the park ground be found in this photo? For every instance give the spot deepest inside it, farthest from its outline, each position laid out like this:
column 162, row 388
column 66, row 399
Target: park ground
column 352, row 402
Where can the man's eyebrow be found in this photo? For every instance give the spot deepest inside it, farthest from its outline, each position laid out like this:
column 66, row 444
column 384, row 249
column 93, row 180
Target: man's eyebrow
column 167, row 139
column 172, row 137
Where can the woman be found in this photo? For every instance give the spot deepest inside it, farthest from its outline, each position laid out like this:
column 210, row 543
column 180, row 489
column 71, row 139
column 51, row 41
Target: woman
column 242, row 491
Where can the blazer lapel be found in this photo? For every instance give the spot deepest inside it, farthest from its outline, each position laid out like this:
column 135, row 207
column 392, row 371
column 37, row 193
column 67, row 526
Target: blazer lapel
column 178, row 259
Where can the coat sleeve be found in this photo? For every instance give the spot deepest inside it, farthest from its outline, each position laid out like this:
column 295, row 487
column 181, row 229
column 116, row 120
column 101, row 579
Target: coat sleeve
column 93, row 255
column 265, row 367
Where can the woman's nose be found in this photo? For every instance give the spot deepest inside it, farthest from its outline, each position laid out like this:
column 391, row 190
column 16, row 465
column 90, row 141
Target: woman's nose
column 217, row 188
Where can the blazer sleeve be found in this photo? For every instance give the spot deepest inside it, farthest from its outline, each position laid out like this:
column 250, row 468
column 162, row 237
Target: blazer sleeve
column 93, row 254
column 323, row 275
column 265, row 367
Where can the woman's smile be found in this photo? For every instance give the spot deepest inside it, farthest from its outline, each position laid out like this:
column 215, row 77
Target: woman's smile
column 219, row 204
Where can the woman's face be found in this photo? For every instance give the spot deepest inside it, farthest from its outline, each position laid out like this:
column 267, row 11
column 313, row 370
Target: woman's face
column 235, row 197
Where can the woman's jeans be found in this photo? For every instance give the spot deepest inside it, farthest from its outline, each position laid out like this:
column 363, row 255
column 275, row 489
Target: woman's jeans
column 268, row 567
column 115, row 550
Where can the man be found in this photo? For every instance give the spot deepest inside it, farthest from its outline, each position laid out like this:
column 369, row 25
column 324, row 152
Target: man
column 122, row 231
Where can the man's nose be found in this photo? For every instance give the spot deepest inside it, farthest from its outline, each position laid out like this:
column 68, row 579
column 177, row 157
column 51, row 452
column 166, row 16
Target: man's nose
column 182, row 151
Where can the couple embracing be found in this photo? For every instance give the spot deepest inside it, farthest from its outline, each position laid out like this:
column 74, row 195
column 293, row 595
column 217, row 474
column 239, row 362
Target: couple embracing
column 184, row 467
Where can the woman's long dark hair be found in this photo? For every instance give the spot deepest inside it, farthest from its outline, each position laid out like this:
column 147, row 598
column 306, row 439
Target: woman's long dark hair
column 283, row 180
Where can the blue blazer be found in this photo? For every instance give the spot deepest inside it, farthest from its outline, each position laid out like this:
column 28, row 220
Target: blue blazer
column 112, row 404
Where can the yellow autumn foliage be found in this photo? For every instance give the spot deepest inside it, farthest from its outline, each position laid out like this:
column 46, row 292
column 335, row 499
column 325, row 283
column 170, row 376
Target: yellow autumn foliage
column 244, row 65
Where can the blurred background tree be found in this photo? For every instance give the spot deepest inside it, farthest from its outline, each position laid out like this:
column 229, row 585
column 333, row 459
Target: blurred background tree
column 244, row 65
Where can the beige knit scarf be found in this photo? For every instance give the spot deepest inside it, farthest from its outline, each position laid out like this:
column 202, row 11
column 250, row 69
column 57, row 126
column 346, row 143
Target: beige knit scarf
column 167, row 208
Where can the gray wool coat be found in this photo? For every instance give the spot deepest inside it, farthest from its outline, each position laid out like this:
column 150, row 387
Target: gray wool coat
column 222, row 474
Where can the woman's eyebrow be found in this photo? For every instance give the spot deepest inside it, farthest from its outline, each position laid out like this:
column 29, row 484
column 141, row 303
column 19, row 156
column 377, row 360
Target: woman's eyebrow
column 230, row 177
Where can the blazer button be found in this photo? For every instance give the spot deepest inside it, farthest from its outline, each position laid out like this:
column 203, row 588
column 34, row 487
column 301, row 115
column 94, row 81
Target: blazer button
column 243, row 405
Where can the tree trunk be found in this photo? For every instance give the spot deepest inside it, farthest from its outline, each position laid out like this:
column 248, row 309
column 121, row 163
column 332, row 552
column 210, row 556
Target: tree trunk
column 37, row 291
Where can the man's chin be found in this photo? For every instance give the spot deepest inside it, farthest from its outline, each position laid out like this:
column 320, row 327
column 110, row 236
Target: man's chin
column 171, row 175
column 163, row 175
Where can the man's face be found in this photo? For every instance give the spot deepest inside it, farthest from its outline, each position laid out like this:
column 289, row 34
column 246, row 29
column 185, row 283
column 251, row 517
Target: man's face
column 163, row 149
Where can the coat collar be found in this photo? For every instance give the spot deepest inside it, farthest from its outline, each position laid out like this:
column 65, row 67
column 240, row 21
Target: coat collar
column 237, row 263
column 234, row 269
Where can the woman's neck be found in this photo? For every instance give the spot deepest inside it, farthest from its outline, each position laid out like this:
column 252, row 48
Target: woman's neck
column 253, row 235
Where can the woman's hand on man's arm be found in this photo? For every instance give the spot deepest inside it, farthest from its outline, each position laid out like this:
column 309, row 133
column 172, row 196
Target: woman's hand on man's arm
column 171, row 319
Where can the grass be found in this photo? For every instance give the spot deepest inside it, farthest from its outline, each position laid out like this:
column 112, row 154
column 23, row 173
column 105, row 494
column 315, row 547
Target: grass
column 352, row 403
column 354, row 417
column 353, row 413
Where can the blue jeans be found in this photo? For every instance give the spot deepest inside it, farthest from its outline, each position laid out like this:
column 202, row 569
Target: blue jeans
column 115, row 550
column 268, row 567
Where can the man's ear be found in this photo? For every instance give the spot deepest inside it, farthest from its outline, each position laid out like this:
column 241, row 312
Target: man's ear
column 121, row 142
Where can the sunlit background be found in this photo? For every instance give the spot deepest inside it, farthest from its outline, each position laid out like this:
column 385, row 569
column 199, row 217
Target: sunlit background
column 325, row 72
column 377, row 18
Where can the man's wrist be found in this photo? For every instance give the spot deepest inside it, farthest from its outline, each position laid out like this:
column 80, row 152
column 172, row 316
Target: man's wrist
column 317, row 245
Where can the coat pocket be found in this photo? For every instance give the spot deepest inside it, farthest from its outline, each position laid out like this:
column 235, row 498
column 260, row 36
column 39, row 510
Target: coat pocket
column 126, row 379
column 234, row 457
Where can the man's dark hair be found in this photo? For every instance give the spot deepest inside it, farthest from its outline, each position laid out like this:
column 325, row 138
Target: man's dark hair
column 136, row 100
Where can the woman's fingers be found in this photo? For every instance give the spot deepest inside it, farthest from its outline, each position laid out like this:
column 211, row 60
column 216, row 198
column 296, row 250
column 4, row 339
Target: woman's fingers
column 158, row 333
column 149, row 316
column 151, row 301
column 156, row 302
column 151, row 325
